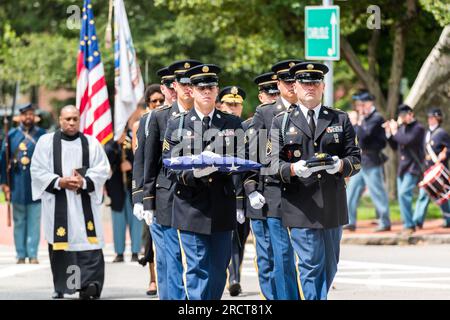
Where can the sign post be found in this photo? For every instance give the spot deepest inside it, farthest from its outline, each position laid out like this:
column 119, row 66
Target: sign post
column 322, row 29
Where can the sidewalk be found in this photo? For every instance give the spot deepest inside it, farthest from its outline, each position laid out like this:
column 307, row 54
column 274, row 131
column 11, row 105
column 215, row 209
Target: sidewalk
column 432, row 233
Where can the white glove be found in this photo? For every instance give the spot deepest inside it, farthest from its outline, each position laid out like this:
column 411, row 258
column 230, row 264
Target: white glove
column 257, row 200
column 198, row 173
column 337, row 165
column 301, row 170
column 240, row 216
column 138, row 211
column 148, row 216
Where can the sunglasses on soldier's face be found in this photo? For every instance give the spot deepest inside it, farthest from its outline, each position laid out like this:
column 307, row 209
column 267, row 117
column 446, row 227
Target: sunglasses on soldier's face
column 157, row 100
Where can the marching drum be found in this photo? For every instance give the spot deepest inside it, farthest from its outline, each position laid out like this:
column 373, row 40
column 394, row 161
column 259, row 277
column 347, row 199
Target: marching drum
column 436, row 182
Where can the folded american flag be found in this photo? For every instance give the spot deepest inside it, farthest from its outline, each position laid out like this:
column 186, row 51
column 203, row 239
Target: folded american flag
column 205, row 160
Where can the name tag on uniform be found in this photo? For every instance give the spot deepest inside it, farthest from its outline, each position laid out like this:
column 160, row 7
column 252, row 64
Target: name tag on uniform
column 335, row 129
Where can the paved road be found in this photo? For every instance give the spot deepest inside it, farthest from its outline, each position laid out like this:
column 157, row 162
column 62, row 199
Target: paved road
column 365, row 272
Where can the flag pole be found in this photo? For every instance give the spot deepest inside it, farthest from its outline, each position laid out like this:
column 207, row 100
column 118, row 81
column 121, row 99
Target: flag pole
column 108, row 33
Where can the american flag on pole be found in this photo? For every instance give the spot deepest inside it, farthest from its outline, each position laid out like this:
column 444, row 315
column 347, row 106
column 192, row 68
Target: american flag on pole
column 128, row 80
column 92, row 94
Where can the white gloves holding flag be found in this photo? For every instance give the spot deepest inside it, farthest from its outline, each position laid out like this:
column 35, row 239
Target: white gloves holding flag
column 336, row 167
column 199, row 173
column 240, row 216
column 138, row 211
column 148, row 216
column 301, row 170
column 256, row 199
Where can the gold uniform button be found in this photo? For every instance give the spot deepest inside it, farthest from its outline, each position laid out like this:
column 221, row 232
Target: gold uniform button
column 178, row 192
column 284, row 189
column 319, row 176
column 267, row 180
column 210, row 179
column 315, row 144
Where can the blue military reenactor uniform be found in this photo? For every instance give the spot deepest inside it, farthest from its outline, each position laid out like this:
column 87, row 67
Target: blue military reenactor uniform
column 158, row 197
column 204, row 207
column 26, row 212
column 314, row 207
column 437, row 140
column 372, row 141
column 280, row 247
column 408, row 141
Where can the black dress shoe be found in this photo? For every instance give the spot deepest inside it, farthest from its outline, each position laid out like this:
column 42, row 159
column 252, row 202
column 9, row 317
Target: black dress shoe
column 118, row 258
column 134, row 257
column 90, row 292
column 235, row 289
column 349, row 227
column 57, row 295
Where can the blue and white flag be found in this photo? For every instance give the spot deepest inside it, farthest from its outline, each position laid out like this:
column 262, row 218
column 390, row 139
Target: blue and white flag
column 129, row 85
column 205, row 160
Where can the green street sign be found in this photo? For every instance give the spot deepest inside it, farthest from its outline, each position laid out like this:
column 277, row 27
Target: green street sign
column 322, row 32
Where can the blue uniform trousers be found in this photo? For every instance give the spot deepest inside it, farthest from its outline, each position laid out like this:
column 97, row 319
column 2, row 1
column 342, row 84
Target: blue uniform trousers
column 264, row 258
column 27, row 229
column 283, row 261
column 207, row 259
column 317, row 255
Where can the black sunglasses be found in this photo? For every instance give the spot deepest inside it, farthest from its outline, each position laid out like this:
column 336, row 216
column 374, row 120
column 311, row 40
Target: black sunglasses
column 157, row 100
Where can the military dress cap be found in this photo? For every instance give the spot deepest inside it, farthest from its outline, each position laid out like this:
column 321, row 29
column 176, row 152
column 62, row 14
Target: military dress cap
column 281, row 69
column 434, row 112
column 179, row 68
column 404, row 108
column 309, row 71
column 232, row 94
column 363, row 95
column 167, row 77
column 204, row 75
column 267, row 82
column 26, row 108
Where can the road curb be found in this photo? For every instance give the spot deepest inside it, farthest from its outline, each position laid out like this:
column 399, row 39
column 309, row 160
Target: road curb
column 381, row 240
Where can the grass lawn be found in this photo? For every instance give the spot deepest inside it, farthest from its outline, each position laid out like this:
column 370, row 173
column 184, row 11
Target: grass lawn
column 366, row 210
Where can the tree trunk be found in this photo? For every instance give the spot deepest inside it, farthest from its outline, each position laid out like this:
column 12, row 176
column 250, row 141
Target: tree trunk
column 369, row 81
column 433, row 74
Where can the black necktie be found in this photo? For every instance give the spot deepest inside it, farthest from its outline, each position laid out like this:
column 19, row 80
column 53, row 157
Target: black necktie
column 205, row 126
column 312, row 124
column 205, row 123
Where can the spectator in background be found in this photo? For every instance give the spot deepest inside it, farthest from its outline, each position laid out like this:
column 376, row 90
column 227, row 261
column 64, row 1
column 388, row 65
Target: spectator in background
column 406, row 135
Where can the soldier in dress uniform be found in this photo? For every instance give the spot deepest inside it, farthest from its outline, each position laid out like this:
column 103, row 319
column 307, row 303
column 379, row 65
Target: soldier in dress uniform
column 280, row 248
column 313, row 204
column 267, row 87
column 153, row 98
column 232, row 98
column 406, row 135
column 26, row 212
column 437, row 149
column 204, row 204
column 158, row 189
